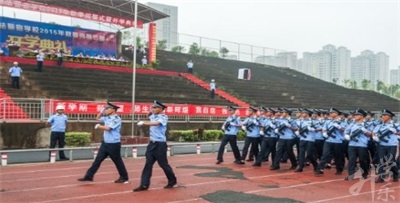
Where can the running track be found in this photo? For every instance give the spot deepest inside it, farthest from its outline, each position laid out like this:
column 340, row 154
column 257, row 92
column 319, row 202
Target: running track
column 199, row 180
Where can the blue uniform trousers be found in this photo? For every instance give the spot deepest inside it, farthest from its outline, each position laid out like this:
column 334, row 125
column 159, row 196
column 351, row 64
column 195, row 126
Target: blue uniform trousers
column 114, row 151
column 362, row 154
column 156, row 151
column 232, row 139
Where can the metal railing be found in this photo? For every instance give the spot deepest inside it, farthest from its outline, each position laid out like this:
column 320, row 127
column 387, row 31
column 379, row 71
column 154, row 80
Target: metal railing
column 38, row 110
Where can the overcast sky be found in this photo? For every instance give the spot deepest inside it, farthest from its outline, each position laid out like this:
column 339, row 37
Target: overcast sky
column 300, row 26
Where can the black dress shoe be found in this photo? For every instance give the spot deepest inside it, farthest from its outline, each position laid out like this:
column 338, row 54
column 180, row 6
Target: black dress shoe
column 274, row 168
column 299, row 170
column 365, row 176
column 257, row 164
column 219, row 162
column 85, row 179
column 140, row 188
column 238, row 162
column 338, row 173
column 395, row 179
column 250, row 160
column 121, row 180
column 293, row 167
column 349, row 177
column 379, row 180
column 319, row 172
column 170, row 185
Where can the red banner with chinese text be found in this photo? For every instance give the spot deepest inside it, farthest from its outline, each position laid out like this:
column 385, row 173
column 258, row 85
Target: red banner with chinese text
column 152, row 42
column 87, row 107
column 32, row 6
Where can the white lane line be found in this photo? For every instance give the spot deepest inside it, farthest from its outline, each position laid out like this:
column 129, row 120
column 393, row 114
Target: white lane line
column 351, row 195
column 188, row 185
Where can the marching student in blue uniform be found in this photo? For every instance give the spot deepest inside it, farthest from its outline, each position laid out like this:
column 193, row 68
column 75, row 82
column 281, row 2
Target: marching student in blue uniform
column 333, row 133
column 111, row 144
column 251, row 126
column 386, row 136
column 58, row 123
column 318, row 123
column 357, row 136
column 306, row 132
column 157, row 148
column 230, row 128
column 285, row 131
column 267, row 135
column 370, row 124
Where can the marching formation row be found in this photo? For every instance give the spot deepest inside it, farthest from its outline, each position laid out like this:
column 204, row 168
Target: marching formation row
column 320, row 136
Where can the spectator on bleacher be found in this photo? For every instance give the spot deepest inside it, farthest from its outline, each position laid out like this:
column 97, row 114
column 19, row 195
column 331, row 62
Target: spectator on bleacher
column 143, row 51
column 144, row 61
column 60, row 55
column 39, row 59
column 15, row 73
column 58, row 123
column 212, row 88
column 190, row 66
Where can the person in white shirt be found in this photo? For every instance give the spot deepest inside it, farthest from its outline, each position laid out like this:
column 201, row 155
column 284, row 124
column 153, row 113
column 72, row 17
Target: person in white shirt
column 190, row 66
column 144, row 61
column 39, row 59
column 212, row 88
column 15, row 73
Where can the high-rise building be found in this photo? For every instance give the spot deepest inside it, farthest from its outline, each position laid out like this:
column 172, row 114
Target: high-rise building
column 282, row 59
column 371, row 67
column 395, row 76
column 167, row 29
column 329, row 64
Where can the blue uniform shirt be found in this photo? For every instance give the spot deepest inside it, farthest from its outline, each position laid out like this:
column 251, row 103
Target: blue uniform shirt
column 391, row 139
column 157, row 133
column 58, row 122
column 269, row 123
column 233, row 129
column 361, row 140
column 310, row 134
column 286, row 133
column 338, row 133
column 15, row 71
column 318, row 124
column 113, row 135
column 253, row 126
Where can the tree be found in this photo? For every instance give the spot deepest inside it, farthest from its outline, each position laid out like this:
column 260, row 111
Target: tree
column 194, row 49
column 139, row 42
column 224, row 52
column 392, row 89
column 346, row 82
column 365, row 84
column 380, row 86
column 162, row 44
column 335, row 80
column 178, row 49
column 208, row 53
column 353, row 84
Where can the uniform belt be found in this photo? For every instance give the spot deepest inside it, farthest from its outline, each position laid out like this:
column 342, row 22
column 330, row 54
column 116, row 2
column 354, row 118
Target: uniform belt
column 152, row 141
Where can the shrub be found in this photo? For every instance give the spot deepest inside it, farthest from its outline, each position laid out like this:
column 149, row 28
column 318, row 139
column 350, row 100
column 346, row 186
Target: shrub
column 77, row 139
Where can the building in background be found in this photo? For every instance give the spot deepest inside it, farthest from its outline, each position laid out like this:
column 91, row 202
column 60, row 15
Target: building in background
column 282, row 59
column 330, row 64
column 371, row 67
column 395, row 76
column 167, row 29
